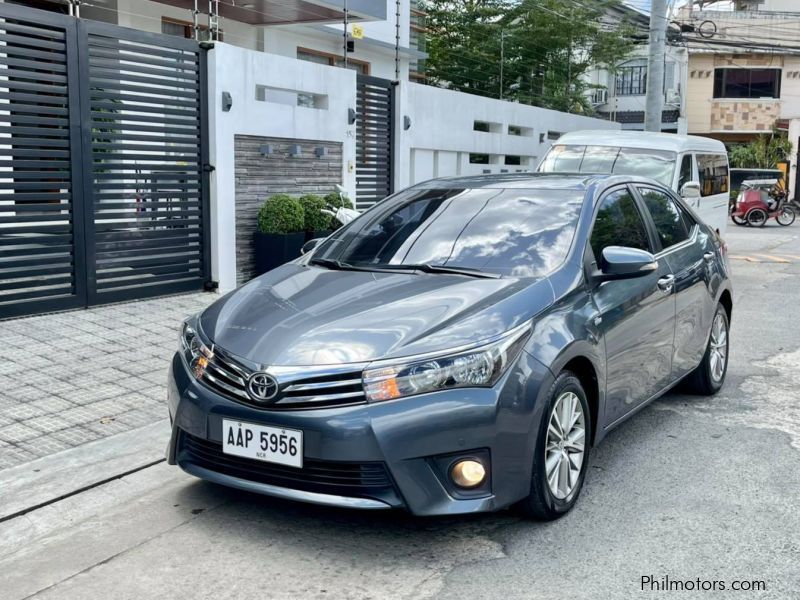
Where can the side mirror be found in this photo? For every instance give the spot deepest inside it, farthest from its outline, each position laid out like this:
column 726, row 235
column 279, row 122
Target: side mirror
column 691, row 190
column 621, row 262
column 310, row 245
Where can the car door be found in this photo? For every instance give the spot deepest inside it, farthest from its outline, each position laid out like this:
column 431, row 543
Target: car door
column 636, row 317
column 689, row 251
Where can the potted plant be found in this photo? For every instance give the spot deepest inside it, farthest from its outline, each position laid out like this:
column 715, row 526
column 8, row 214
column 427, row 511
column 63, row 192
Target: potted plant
column 280, row 232
column 317, row 223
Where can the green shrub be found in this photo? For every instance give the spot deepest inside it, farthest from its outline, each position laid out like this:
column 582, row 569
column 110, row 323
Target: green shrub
column 281, row 213
column 333, row 199
column 315, row 219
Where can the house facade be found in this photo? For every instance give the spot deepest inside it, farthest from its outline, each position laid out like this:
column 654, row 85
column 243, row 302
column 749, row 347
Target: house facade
column 744, row 71
column 619, row 94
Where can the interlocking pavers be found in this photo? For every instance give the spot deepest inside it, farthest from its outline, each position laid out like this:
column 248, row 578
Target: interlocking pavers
column 67, row 379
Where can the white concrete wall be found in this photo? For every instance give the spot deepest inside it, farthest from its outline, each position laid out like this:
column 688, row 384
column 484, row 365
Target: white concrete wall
column 442, row 136
column 238, row 72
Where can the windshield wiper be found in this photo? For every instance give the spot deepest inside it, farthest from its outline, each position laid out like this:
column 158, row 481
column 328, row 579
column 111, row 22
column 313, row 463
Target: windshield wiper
column 338, row 265
column 428, row 268
column 329, row 263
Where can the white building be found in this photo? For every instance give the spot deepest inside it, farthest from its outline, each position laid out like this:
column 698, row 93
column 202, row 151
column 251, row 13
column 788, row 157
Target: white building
column 620, row 95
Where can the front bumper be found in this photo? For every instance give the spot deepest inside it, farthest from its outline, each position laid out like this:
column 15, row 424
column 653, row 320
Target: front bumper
column 372, row 456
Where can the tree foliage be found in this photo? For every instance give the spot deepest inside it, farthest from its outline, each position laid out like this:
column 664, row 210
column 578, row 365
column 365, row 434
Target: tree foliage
column 765, row 152
column 544, row 46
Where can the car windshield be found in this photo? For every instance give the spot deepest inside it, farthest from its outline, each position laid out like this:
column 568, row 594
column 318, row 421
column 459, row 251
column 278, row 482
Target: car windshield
column 656, row 164
column 518, row 233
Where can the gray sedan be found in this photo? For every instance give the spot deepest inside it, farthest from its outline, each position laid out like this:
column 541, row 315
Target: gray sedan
column 458, row 348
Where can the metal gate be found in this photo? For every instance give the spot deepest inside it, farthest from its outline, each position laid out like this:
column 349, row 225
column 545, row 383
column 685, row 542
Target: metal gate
column 103, row 193
column 375, row 136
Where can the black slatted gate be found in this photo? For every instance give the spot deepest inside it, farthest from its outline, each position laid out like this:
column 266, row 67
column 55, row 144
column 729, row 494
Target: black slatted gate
column 102, row 146
column 146, row 168
column 375, row 102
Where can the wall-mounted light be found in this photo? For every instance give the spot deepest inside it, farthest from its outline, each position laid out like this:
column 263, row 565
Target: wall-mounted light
column 406, row 123
column 321, row 152
column 227, row 101
column 266, row 149
column 295, row 151
column 351, row 116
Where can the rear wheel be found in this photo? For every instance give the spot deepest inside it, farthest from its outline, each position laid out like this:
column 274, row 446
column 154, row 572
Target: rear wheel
column 785, row 217
column 708, row 377
column 757, row 217
column 560, row 459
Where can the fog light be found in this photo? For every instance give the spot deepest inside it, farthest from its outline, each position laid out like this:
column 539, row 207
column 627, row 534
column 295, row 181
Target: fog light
column 468, row 473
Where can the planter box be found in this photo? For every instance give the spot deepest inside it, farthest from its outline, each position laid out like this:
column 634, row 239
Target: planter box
column 312, row 235
column 274, row 249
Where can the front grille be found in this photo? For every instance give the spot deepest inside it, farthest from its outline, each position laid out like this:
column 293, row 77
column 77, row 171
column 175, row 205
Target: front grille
column 228, row 378
column 350, row 479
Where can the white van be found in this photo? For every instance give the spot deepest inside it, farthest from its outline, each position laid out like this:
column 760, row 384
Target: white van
column 695, row 167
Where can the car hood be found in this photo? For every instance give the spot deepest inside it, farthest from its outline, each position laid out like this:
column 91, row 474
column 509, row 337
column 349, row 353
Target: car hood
column 298, row 315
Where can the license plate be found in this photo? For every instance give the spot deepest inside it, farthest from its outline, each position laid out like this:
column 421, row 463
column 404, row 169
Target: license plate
column 262, row 442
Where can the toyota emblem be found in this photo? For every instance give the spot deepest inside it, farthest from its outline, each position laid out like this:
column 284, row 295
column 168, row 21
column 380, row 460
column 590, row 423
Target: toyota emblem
column 262, row 387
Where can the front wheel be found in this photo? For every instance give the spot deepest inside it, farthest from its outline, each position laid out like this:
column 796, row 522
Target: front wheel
column 738, row 220
column 708, row 377
column 561, row 456
column 757, row 217
column 785, row 217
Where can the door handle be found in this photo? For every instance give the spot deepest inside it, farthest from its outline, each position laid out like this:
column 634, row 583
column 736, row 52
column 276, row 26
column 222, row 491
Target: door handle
column 708, row 256
column 665, row 283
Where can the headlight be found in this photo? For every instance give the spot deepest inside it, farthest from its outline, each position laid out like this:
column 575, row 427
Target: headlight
column 479, row 367
column 195, row 352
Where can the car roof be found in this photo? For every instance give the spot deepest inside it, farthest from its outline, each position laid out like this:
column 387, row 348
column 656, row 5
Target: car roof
column 547, row 181
column 642, row 139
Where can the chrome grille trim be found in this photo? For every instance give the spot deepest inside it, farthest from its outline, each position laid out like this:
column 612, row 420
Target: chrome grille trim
column 301, row 388
column 321, row 398
column 305, row 387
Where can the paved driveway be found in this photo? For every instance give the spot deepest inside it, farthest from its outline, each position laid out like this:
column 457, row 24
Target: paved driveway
column 70, row 378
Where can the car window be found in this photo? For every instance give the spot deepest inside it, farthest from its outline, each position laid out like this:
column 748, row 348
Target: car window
column 667, row 218
column 514, row 232
column 619, row 223
column 686, row 171
column 712, row 171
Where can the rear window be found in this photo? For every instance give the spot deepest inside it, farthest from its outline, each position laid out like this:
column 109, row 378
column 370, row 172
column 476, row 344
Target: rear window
column 656, row 164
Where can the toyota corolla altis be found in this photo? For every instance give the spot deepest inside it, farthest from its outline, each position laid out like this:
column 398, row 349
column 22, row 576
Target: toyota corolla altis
column 459, row 347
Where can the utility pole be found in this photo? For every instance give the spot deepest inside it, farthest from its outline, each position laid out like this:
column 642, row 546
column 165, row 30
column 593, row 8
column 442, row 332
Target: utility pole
column 502, row 58
column 655, row 65
column 346, row 22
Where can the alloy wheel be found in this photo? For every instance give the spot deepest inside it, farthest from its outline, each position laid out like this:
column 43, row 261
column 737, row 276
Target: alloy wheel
column 565, row 445
column 718, row 357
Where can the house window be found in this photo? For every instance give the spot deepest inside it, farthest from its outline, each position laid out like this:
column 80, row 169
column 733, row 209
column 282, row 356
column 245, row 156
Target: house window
column 479, row 159
column 183, row 29
column 332, row 60
column 632, row 81
column 747, row 83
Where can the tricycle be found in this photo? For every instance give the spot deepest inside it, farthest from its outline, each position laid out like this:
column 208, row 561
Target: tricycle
column 760, row 200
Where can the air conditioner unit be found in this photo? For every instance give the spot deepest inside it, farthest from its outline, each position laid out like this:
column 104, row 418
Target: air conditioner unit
column 672, row 97
column 600, row 96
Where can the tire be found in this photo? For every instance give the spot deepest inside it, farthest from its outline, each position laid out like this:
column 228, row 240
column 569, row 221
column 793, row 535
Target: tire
column 707, row 379
column 738, row 220
column 786, row 217
column 757, row 217
column 543, row 503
